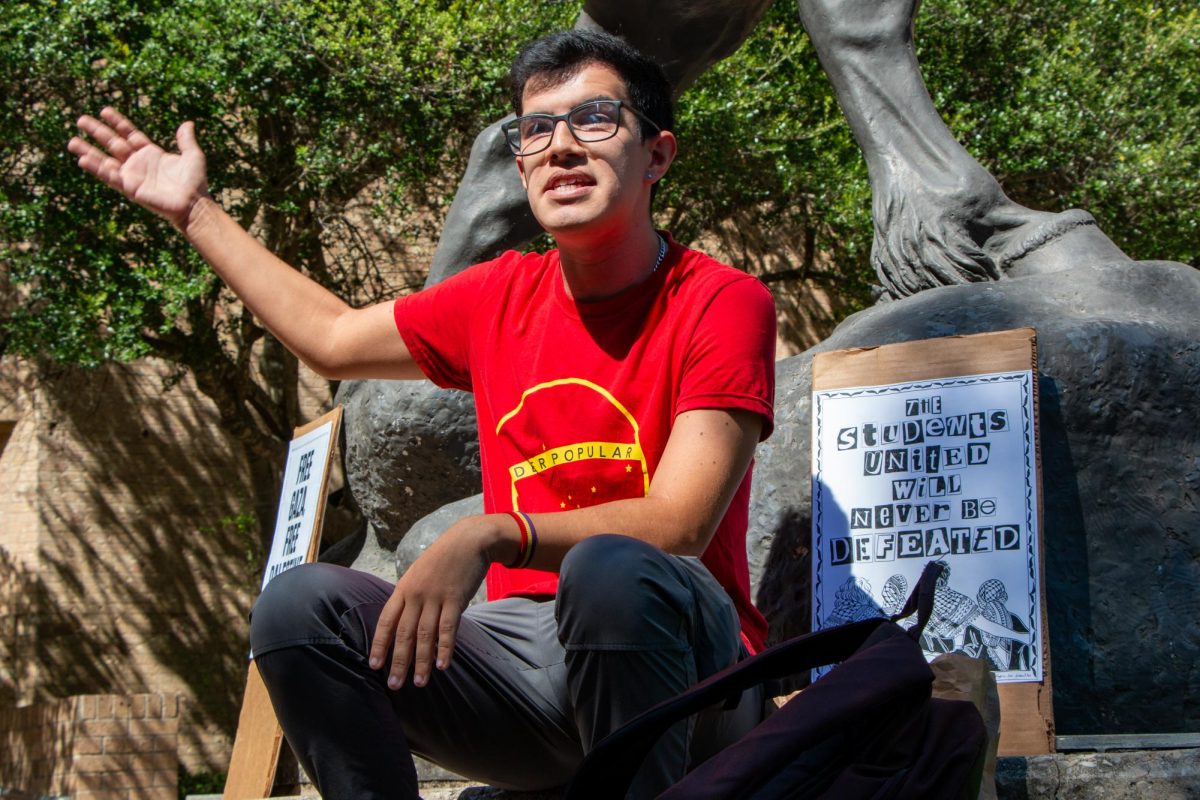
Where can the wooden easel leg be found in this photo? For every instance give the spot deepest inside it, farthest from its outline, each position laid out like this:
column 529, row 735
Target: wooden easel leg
column 257, row 745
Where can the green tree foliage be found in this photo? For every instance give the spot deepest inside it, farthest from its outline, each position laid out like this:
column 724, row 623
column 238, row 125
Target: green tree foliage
column 1090, row 104
column 337, row 124
column 326, row 125
column 768, row 166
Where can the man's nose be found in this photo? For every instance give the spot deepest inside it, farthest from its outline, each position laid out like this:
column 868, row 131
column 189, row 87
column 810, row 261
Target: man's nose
column 562, row 138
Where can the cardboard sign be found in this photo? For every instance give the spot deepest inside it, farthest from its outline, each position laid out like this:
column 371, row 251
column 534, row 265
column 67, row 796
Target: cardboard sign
column 297, row 539
column 928, row 451
column 934, row 470
column 302, row 497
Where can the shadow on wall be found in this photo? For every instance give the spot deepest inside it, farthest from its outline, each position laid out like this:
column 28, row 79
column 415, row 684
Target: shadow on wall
column 146, row 570
column 31, row 613
column 811, row 293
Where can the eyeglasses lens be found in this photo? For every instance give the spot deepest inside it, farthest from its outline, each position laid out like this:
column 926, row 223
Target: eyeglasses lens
column 590, row 122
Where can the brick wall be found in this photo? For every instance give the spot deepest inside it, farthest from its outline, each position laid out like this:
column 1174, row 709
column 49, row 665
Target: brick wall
column 119, row 570
column 93, row 747
column 18, row 534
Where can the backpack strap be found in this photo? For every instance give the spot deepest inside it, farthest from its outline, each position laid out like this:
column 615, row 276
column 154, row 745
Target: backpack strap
column 608, row 769
column 921, row 599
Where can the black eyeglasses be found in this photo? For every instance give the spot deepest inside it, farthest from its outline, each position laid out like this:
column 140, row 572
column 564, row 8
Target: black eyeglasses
column 593, row 121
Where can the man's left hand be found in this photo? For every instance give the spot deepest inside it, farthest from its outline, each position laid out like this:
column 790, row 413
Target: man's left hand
column 420, row 619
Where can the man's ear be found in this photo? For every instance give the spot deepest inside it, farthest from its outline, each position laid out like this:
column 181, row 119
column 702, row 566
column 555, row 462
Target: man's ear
column 521, row 170
column 662, row 154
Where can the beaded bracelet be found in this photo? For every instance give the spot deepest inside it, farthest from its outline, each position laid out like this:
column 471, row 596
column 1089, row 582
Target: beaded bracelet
column 528, row 540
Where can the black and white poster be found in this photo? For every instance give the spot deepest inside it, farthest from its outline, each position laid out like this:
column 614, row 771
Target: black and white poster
column 299, row 499
column 936, row 470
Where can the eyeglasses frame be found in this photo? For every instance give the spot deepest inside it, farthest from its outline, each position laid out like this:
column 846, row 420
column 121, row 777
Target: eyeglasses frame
column 556, row 118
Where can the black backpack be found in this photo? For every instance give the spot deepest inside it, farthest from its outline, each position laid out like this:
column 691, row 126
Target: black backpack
column 868, row 729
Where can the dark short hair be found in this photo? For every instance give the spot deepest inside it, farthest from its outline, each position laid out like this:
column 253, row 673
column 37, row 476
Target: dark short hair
column 555, row 59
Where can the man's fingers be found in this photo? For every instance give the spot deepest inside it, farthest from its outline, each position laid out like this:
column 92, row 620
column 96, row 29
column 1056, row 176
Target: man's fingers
column 185, row 137
column 385, row 631
column 94, row 161
column 89, row 155
column 402, row 650
column 447, row 632
column 426, row 643
column 121, row 124
column 114, row 143
column 93, row 127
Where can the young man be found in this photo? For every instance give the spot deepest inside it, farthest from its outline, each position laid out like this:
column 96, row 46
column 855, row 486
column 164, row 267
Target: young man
column 621, row 383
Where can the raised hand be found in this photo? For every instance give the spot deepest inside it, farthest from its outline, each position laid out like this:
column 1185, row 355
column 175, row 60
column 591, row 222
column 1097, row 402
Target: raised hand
column 123, row 157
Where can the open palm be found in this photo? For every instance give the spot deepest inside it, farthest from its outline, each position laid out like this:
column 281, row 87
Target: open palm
column 123, row 157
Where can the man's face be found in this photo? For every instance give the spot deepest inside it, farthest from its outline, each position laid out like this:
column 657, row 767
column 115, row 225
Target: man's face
column 581, row 191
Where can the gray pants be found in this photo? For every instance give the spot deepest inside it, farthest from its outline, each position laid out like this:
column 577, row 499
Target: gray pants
column 532, row 685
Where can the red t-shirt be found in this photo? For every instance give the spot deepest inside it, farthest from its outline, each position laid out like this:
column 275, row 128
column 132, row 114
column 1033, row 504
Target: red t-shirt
column 575, row 401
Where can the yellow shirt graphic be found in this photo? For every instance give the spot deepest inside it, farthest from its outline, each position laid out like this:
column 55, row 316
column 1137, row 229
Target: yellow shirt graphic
column 569, row 443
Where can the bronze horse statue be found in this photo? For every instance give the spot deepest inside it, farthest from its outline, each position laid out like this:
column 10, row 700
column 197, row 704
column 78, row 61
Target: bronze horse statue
column 940, row 218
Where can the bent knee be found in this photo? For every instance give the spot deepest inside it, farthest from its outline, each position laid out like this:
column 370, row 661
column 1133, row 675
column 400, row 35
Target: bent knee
column 607, row 562
column 620, row 591
column 306, row 603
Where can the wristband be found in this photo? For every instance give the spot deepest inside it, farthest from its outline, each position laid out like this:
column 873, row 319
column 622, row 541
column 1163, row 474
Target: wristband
column 532, row 539
column 524, row 526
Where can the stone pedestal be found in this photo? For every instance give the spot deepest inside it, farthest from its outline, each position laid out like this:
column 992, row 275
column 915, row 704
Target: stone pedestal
column 1119, row 382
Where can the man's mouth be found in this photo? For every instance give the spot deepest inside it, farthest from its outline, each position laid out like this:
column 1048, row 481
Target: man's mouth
column 568, row 185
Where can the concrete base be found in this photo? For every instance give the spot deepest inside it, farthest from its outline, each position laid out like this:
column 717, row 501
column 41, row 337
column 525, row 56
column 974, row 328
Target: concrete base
column 476, row 792
column 1132, row 775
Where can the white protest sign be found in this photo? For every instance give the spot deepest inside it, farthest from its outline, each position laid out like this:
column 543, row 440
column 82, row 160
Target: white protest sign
column 300, row 499
column 935, row 470
column 259, row 739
